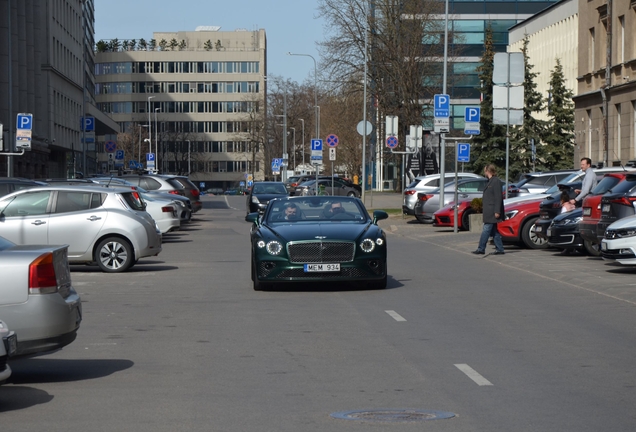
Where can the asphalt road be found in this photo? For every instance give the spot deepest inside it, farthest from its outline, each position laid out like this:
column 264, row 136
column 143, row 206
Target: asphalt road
column 527, row 341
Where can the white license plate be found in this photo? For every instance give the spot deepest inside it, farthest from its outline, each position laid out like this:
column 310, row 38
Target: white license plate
column 549, row 232
column 606, row 208
column 322, row 267
column 604, row 246
column 538, row 229
column 587, row 211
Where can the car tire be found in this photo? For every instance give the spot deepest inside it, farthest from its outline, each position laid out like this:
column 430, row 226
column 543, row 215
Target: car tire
column 466, row 220
column 529, row 238
column 114, row 255
column 420, row 219
column 591, row 248
column 352, row 194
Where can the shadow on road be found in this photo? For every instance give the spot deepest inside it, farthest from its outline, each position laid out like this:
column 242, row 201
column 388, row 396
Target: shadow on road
column 44, row 370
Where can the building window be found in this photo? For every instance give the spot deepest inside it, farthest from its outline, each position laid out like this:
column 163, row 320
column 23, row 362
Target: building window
column 621, row 39
column 592, row 51
column 617, row 140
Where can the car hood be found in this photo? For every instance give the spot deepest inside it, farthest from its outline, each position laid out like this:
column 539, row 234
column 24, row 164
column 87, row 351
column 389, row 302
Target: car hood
column 576, row 213
column 267, row 197
column 628, row 222
column 531, row 197
column 298, row 231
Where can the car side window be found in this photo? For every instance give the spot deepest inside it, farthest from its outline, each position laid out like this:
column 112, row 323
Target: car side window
column 28, row 204
column 149, row 184
column 72, row 201
column 4, row 189
column 471, row 187
column 433, row 183
column 97, row 199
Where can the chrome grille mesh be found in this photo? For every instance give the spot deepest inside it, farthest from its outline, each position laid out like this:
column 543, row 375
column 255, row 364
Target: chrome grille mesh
column 321, row 252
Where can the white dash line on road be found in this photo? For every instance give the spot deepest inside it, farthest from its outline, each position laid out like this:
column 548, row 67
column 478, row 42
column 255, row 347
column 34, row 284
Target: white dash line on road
column 396, row 316
column 473, row 375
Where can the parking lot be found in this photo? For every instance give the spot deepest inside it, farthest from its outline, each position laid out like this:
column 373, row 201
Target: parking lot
column 181, row 341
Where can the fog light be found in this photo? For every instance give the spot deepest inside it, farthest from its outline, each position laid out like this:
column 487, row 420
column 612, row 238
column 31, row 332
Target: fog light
column 626, row 252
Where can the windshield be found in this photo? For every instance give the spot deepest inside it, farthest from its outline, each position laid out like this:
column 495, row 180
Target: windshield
column 270, row 188
column 605, row 184
column 323, row 209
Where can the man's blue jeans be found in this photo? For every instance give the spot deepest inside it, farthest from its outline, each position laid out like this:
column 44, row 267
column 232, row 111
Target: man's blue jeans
column 490, row 230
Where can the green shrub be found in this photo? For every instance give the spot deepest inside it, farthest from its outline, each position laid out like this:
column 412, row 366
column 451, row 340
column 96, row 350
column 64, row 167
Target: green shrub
column 477, row 205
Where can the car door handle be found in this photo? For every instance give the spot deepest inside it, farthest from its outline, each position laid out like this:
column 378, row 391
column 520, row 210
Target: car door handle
column 93, row 218
column 38, row 222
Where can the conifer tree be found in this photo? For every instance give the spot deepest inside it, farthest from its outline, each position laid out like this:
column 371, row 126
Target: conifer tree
column 532, row 128
column 490, row 145
column 558, row 150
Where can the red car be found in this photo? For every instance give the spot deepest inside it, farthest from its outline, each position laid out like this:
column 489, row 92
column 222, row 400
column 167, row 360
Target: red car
column 445, row 216
column 592, row 211
column 519, row 224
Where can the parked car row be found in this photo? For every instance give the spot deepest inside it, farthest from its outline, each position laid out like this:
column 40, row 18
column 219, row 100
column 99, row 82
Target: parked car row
column 604, row 225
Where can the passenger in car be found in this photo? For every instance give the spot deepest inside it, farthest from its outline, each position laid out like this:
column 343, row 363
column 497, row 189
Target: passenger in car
column 566, row 205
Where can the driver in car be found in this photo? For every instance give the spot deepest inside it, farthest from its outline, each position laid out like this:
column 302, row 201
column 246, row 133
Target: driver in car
column 290, row 212
column 333, row 209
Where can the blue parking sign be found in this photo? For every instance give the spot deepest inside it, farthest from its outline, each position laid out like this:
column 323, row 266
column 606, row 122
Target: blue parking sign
column 472, row 114
column 463, row 152
column 441, row 104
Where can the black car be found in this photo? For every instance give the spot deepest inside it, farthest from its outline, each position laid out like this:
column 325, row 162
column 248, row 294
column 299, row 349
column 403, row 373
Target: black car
column 12, row 184
column 551, row 207
column 262, row 192
column 617, row 203
column 564, row 232
column 298, row 180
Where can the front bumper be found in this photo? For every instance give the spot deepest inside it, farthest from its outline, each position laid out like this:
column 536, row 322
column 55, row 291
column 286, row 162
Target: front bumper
column 622, row 250
column 541, row 228
column 275, row 269
column 588, row 230
column 564, row 236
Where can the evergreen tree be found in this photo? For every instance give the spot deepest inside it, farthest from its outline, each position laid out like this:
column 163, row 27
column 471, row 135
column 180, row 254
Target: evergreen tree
column 532, row 128
column 558, row 151
column 490, row 145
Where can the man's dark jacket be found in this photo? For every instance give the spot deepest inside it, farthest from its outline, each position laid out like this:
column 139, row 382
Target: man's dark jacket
column 493, row 201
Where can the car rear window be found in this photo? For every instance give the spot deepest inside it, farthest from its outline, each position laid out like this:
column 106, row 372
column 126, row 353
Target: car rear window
column 605, row 184
column 625, row 186
column 134, row 200
column 186, row 183
column 176, row 183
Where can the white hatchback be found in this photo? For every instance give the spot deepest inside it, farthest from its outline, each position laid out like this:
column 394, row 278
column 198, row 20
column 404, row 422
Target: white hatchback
column 104, row 225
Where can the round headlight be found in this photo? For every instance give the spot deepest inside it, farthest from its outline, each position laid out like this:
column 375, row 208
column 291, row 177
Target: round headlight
column 260, row 244
column 379, row 242
column 274, row 247
column 367, row 245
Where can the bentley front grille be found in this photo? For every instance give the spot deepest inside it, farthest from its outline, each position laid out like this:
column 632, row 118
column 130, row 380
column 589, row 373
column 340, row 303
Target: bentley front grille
column 321, row 252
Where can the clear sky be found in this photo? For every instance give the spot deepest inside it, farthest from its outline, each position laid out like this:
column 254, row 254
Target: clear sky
column 290, row 25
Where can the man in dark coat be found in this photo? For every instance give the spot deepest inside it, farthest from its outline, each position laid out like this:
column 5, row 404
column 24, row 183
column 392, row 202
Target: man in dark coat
column 493, row 209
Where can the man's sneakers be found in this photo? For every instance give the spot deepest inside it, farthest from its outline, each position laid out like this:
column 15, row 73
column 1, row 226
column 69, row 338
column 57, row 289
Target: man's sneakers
column 479, row 252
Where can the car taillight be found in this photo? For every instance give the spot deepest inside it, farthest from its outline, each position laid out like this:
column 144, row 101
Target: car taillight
column 628, row 201
column 409, row 192
column 174, row 192
column 294, row 184
column 166, row 209
column 195, row 192
column 425, row 197
column 42, row 279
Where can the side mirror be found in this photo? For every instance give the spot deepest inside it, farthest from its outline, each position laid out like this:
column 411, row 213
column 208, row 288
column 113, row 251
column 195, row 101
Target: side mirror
column 252, row 217
column 379, row 215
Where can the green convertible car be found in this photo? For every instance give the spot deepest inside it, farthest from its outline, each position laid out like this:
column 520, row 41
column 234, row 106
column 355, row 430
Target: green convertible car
column 318, row 239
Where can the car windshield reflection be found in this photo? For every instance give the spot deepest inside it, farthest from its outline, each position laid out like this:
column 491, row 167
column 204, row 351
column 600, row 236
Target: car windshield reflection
column 315, row 209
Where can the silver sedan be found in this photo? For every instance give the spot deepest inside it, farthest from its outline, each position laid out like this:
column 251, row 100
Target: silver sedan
column 428, row 203
column 37, row 300
column 108, row 226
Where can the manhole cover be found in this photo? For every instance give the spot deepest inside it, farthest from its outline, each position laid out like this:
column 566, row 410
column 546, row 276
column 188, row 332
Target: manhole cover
column 393, row 415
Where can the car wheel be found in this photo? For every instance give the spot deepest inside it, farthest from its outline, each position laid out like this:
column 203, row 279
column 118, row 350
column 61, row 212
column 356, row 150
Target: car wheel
column 591, row 248
column 466, row 220
column 420, row 219
column 114, row 255
column 351, row 194
column 529, row 238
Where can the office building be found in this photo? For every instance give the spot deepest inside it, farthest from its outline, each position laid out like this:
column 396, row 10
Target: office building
column 198, row 96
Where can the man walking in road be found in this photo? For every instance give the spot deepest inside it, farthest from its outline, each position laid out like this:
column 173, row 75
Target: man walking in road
column 589, row 181
column 493, row 209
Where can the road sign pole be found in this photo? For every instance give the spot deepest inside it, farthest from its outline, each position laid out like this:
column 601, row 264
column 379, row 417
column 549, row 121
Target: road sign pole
column 456, row 192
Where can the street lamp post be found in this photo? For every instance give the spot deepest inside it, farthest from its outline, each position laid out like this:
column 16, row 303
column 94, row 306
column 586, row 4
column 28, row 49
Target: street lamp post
column 139, row 150
column 303, row 147
column 315, row 91
column 149, row 124
column 188, row 158
column 294, row 147
column 156, row 136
